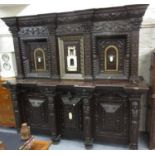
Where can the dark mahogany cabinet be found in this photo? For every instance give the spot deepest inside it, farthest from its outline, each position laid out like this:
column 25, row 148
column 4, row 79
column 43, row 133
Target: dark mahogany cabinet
column 78, row 74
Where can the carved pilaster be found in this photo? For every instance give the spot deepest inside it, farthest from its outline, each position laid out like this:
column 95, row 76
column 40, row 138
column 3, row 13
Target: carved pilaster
column 134, row 54
column 16, row 40
column 134, row 120
column 87, row 123
column 88, row 56
column 54, row 57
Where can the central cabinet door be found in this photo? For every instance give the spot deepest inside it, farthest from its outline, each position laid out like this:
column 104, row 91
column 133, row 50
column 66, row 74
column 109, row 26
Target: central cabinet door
column 111, row 119
column 72, row 126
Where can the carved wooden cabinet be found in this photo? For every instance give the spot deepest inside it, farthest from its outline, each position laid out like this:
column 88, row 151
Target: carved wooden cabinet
column 78, row 74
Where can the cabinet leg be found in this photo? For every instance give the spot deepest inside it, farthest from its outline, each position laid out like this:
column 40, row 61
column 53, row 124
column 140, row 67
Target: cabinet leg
column 56, row 139
column 89, row 144
column 133, row 146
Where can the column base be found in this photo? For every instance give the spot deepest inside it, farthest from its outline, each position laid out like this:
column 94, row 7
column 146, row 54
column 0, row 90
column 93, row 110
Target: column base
column 133, row 146
column 56, row 139
column 89, row 144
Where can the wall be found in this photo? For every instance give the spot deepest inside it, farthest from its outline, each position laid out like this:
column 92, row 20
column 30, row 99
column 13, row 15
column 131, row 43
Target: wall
column 147, row 33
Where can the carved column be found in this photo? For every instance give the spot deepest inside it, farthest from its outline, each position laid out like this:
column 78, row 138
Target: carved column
column 87, row 123
column 14, row 93
column 52, row 118
column 134, row 120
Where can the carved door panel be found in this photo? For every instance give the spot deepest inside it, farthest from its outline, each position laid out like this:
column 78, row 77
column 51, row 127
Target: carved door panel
column 71, row 119
column 37, row 112
column 72, row 116
column 111, row 119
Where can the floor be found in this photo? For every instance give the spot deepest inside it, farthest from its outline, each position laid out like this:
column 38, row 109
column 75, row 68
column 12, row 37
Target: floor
column 78, row 145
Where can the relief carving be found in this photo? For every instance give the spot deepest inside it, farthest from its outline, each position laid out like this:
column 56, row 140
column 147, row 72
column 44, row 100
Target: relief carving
column 33, row 31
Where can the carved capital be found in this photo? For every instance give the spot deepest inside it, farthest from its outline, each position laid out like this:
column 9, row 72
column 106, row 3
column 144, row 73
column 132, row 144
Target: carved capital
column 14, row 31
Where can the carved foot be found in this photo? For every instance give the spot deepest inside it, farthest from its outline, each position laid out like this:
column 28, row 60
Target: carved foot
column 56, row 139
column 89, row 144
column 133, row 147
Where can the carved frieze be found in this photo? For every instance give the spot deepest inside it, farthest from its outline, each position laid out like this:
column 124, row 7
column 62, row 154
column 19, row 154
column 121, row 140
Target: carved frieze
column 33, row 31
column 73, row 28
column 117, row 26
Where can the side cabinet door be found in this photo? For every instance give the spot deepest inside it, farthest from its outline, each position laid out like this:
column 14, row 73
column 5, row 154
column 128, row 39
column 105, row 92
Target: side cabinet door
column 111, row 120
column 37, row 112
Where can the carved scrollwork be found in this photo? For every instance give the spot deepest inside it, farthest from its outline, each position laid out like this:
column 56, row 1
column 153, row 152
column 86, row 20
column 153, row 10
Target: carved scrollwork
column 116, row 26
column 73, row 28
column 33, row 31
column 36, row 102
column 69, row 99
column 85, row 100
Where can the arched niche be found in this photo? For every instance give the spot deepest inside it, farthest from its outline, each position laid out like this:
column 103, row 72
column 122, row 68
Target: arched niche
column 111, row 58
column 39, row 59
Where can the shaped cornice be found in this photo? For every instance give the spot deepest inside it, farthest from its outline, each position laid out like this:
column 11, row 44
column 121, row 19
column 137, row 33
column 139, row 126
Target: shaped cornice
column 128, row 12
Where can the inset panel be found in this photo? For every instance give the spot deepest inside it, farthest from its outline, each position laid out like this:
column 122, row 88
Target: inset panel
column 39, row 59
column 71, row 57
column 36, row 59
column 111, row 56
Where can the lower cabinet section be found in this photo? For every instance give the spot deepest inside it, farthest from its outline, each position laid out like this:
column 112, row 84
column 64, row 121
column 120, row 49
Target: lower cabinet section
column 100, row 114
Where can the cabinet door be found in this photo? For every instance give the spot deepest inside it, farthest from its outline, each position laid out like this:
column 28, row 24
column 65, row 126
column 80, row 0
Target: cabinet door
column 36, row 110
column 72, row 117
column 111, row 119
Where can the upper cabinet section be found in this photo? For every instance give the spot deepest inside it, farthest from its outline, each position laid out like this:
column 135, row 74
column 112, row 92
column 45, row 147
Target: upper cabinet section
column 94, row 44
